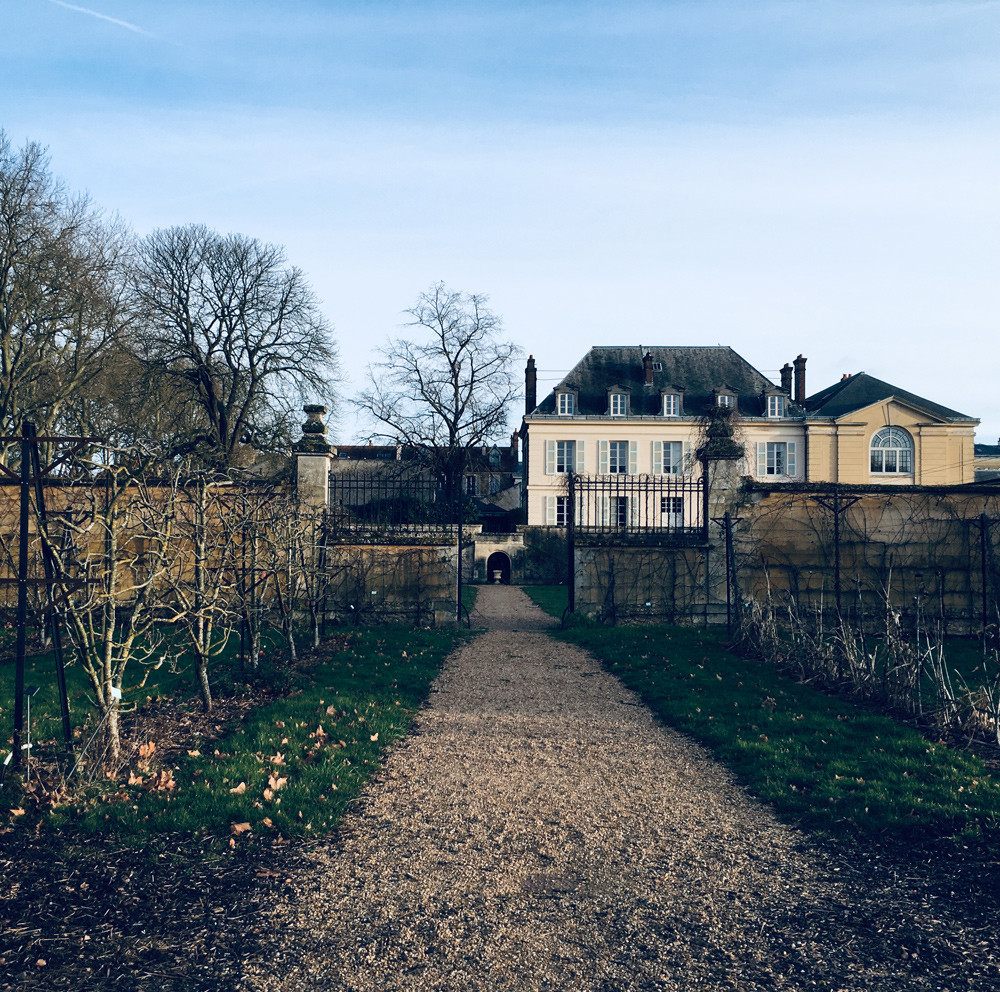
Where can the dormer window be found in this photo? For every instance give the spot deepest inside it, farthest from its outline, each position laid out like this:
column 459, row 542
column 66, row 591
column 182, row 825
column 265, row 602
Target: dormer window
column 565, row 404
column 777, row 405
column 726, row 399
column 618, row 404
column 671, row 404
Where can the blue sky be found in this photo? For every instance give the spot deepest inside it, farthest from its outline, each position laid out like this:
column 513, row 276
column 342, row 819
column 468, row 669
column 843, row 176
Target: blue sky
column 784, row 177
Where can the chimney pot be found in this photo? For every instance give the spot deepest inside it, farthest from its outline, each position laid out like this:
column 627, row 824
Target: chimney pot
column 800, row 379
column 647, row 368
column 530, row 385
column 786, row 378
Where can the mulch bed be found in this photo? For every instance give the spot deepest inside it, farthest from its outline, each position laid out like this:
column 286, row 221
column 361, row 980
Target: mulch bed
column 84, row 913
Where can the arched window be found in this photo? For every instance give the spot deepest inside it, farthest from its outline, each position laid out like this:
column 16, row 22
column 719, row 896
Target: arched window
column 892, row 451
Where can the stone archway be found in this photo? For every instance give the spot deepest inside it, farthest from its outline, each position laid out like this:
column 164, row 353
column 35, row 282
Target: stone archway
column 498, row 568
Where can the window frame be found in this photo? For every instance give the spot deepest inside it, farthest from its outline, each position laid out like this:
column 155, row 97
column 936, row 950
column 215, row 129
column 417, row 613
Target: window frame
column 675, row 400
column 777, row 405
column 618, row 399
column 615, row 464
column 903, row 451
column 566, row 399
column 726, row 399
column 568, row 452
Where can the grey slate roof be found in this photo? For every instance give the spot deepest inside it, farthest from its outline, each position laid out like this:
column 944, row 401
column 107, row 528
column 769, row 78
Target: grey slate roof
column 697, row 371
column 862, row 390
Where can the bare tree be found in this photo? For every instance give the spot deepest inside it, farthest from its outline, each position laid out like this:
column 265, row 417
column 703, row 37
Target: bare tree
column 449, row 390
column 237, row 331
column 118, row 541
column 61, row 292
column 202, row 573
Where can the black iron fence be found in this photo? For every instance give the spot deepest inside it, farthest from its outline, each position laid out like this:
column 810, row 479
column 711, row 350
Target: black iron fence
column 662, row 506
column 390, row 502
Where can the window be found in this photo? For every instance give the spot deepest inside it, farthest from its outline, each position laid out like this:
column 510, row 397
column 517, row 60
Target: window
column 565, row 404
column 776, row 406
column 671, row 405
column 619, row 404
column 470, row 485
column 560, row 456
column 562, row 511
column 892, row 451
column 619, row 511
column 657, row 366
column 726, row 399
column 672, row 511
column 494, row 484
column 618, row 457
column 565, row 456
column 673, row 457
column 776, row 458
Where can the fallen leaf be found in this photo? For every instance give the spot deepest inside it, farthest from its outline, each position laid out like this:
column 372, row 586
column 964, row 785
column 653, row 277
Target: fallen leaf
column 374, row 737
column 331, row 710
column 240, row 828
column 276, row 783
column 240, row 789
column 267, row 822
column 17, row 812
column 268, row 794
column 278, row 759
column 194, row 754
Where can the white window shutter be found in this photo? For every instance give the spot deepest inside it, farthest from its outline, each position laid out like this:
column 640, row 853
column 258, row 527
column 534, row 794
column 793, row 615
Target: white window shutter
column 550, row 510
column 603, row 467
column 791, row 468
column 550, row 457
column 633, row 457
column 688, row 464
column 605, row 510
column 633, row 511
column 657, row 458
column 762, row 459
column 581, row 459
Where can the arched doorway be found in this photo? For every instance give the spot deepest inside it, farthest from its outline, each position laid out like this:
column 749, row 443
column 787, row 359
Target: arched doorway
column 498, row 568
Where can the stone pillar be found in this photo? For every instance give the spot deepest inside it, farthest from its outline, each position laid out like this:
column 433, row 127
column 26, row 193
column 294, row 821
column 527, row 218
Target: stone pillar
column 722, row 460
column 312, row 460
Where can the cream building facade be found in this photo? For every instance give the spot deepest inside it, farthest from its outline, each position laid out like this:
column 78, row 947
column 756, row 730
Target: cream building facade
column 635, row 412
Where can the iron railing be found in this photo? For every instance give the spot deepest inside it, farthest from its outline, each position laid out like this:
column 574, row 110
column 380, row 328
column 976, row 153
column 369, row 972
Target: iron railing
column 388, row 502
column 664, row 506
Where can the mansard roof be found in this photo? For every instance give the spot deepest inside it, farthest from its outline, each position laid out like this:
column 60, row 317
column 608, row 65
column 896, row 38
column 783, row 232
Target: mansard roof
column 696, row 371
column 861, row 390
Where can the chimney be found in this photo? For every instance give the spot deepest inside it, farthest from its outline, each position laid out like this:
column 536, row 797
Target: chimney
column 530, row 385
column 647, row 368
column 786, row 378
column 514, row 441
column 800, row 379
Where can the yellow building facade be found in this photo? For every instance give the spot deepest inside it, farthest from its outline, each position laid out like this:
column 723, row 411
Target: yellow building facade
column 631, row 411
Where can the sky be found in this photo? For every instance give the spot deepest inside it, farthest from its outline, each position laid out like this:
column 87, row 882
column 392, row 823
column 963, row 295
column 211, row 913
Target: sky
column 811, row 177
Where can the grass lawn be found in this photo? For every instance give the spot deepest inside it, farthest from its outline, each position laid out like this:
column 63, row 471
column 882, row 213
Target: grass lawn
column 469, row 594
column 819, row 760
column 140, row 681
column 552, row 599
column 293, row 766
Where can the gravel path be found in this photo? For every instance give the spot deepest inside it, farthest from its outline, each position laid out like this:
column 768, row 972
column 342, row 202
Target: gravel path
column 540, row 830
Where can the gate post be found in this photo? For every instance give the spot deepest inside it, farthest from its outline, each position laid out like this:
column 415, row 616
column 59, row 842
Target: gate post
column 722, row 461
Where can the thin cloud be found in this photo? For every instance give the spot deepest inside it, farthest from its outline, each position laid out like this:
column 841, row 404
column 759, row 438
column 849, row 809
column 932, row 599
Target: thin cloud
column 103, row 17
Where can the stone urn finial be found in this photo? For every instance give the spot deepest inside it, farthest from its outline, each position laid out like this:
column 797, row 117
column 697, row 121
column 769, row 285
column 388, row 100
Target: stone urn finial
column 720, row 445
column 313, row 440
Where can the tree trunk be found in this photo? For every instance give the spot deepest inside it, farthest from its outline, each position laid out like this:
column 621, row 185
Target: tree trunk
column 201, row 670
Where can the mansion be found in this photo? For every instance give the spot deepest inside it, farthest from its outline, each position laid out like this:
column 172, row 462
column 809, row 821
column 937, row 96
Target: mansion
column 636, row 411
